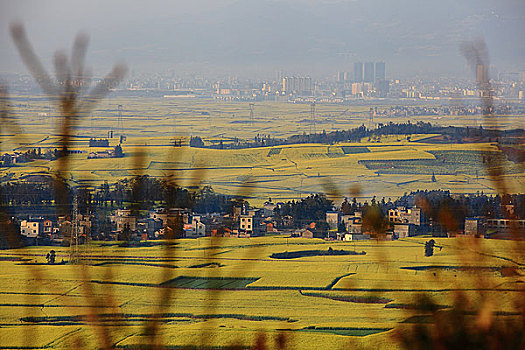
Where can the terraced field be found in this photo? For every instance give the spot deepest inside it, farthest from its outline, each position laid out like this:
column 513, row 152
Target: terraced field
column 391, row 166
column 229, row 291
column 292, row 172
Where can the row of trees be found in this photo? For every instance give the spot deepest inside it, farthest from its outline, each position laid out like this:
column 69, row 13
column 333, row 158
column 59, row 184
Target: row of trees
column 451, row 133
column 140, row 193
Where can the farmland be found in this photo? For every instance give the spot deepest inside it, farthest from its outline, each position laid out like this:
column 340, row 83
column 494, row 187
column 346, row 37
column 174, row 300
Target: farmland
column 389, row 166
column 229, row 291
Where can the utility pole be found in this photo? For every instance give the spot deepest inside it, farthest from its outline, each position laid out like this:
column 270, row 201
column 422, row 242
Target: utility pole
column 370, row 118
column 119, row 120
column 73, row 242
column 312, row 115
column 252, row 105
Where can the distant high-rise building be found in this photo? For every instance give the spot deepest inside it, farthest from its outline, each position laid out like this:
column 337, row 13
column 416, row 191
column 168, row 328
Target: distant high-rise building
column 343, row 77
column 299, row 85
column 380, row 72
column 358, row 72
column 482, row 75
column 369, row 72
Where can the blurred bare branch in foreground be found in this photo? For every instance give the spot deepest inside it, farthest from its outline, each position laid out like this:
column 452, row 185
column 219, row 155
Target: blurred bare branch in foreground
column 471, row 321
column 477, row 56
column 69, row 93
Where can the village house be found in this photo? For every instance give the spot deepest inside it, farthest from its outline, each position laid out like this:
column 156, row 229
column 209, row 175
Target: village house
column 353, row 223
column 195, row 229
column 148, row 226
column 123, row 219
column 349, row 237
column 246, row 223
column 47, row 228
column 475, row 226
column 303, row 233
column 31, row 228
column 65, row 228
column 159, row 214
column 404, row 230
column 15, row 158
column 112, row 153
column 505, row 228
column 402, row 215
column 268, row 209
column 332, row 219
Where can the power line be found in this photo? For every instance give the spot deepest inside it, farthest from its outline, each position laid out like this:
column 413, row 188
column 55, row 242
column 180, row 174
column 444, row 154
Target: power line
column 252, row 105
column 312, row 116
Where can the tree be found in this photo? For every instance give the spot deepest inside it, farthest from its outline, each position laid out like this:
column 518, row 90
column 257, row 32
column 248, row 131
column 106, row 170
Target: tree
column 51, row 256
column 346, row 208
column 118, row 151
column 196, row 141
column 374, row 219
column 429, row 247
column 125, row 235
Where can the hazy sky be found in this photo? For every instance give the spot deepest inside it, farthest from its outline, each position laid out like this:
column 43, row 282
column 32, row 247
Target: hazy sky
column 260, row 37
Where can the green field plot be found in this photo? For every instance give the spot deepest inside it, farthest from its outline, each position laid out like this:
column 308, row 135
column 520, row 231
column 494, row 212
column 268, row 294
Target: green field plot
column 274, row 151
column 446, row 163
column 208, row 282
column 354, row 149
column 304, row 253
column 355, row 332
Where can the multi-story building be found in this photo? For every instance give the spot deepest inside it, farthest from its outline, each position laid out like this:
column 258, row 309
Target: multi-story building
column 506, row 226
column 31, row 228
column 475, row 226
column 297, row 85
column 343, row 77
column 123, row 219
column 353, row 223
column 404, row 230
column 246, row 223
column 196, row 229
column 358, row 72
column 380, row 74
column 402, row 215
column 332, row 219
column 369, row 73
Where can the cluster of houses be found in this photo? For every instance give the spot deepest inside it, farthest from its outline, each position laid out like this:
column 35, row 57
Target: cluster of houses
column 14, row 158
column 245, row 222
column 409, row 222
column 349, row 227
column 41, row 230
column 115, row 152
column 11, row 159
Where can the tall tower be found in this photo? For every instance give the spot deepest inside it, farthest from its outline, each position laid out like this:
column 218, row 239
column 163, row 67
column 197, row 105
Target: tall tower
column 119, row 120
column 358, row 72
column 380, row 72
column 370, row 118
column 312, row 116
column 341, row 77
column 369, row 72
column 482, row 75
column 73, row 241
column 251, row 113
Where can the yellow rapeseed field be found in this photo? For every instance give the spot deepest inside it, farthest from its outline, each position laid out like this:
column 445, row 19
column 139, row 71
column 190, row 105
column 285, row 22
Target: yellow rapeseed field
column 313, row 302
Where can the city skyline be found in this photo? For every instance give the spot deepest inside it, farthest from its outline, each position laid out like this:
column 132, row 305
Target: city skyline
column 259, row 38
